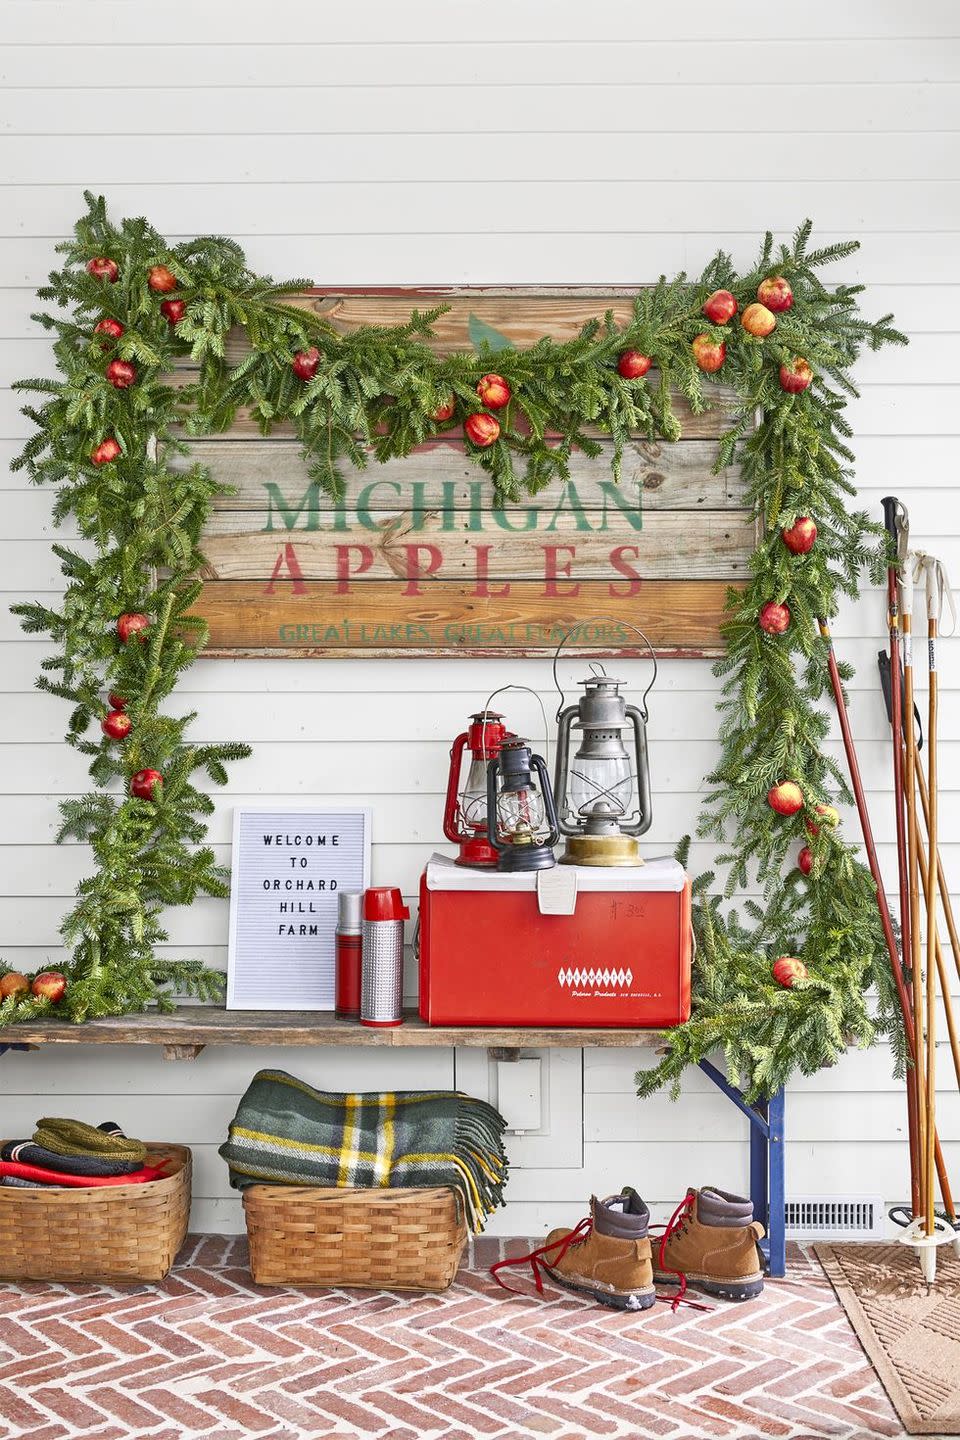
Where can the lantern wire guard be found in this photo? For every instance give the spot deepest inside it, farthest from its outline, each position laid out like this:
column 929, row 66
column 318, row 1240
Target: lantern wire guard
column 603, row 804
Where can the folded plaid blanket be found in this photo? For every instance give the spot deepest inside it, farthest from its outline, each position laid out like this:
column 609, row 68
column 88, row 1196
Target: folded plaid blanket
column 287, row 1133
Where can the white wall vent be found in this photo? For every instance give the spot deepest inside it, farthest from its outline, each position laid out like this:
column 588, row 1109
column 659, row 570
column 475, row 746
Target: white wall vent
column 836, row 1217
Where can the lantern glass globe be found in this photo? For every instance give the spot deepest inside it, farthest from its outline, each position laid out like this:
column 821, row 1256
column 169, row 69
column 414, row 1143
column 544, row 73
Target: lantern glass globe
column 601, row 785
column 521, row 816
column 473, row 796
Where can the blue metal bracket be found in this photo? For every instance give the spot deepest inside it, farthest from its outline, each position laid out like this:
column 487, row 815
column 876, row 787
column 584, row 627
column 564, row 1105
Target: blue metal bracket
column 766, row 1164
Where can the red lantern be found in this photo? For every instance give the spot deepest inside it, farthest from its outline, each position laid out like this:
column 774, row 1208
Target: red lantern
column 465, row 813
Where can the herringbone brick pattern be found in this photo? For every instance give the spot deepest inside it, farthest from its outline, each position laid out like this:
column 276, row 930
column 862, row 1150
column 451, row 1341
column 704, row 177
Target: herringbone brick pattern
column 208, row 1354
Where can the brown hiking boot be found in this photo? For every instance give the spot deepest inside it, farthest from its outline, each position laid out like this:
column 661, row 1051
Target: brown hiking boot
column 712, row 1241
column 608, row 1256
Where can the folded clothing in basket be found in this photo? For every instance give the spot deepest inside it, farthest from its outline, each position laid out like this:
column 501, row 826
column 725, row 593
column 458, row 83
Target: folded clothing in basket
column 287, row 1133
column 68, row 1152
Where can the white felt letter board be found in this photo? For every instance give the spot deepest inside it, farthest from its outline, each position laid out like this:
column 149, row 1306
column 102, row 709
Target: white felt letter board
column 289, row 867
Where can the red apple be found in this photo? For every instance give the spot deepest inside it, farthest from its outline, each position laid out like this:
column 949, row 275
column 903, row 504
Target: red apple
column 121, row 374
column 709, row 354
column 720, row 307
column 774, row 618
column 805, row 860
column 775, row 293
column 116, row 702
column 788, row 969
column 801, row 536
column 795, row 375
column 146, row 784
column 103, row 268
column 444, row 410
column 162, row 280
column 132, row 624
column 632, row 364
column 173, row 311
column 758, row 320
column 49, row 985
column 305, row 363
column 116, row 725
column 494, row 391
column 13, row 983
column 482, row 429
column 786, row 798
column 106, row 452
column 109, row 327
column 830, row 817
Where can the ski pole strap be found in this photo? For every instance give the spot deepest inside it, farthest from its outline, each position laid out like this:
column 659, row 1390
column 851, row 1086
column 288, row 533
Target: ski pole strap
column 938, row 589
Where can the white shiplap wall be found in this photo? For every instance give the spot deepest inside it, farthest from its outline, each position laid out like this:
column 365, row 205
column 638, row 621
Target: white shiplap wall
column 446, row 142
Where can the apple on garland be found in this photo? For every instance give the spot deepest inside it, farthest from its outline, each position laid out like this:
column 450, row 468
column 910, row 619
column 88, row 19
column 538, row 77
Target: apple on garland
column 445, row 410
column 162, row 280
column 482, row 429
column 173, row 311
column 109, row 327
column 795, row 375
column 801, row 536
column 121, row 374
column 117, row 702
column 774, row 618
column 101, row 267
column 709, row 354
column 116, row 725
column 106, row 452
column 757, row 320
column 633, row 364
column 305, row 363
column 146, row 785
column 49, row 985
column 13, row 983
column 786, row 798
column 494, row 391
column 829, row 816
column 132, row 623
column 720, row 307
column 787, row 970
column 775, row 293
column 805, row 860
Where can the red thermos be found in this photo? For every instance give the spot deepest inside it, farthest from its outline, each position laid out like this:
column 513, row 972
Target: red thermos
column 349, row 955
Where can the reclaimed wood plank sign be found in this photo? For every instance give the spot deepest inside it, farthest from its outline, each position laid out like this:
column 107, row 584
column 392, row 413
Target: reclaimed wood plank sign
column 416, row 560
column 289, row 867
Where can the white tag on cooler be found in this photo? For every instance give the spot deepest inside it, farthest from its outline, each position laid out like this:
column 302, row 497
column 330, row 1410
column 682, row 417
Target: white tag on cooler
column 557, row 890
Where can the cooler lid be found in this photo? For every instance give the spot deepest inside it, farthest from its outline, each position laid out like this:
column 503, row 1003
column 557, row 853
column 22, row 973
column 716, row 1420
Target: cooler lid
column 660, row 874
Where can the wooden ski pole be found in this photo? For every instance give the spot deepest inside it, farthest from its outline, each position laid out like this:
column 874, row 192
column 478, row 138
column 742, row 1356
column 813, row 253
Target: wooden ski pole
column 882, row 903
column 934, row 593
column 897, row 527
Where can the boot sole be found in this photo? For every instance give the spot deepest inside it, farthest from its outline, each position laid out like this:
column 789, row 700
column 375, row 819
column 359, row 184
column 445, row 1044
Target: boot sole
column 747, row 1289
column 631, row 1300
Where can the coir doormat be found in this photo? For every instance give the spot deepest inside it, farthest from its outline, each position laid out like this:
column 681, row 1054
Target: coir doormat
column 911, row 1336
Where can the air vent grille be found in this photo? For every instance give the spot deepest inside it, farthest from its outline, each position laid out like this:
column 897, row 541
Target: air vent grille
column 836, row 1217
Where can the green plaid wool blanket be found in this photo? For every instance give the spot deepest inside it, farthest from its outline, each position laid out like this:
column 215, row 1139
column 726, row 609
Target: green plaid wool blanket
column 287, row 1133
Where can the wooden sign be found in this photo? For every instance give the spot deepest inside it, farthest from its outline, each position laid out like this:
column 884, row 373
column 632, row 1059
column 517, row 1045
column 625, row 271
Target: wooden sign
column 289, row 867
column 415, row 560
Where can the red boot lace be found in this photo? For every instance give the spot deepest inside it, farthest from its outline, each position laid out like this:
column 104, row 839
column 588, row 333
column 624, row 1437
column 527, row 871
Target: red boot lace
column 536, row 1257
column 673, row 1226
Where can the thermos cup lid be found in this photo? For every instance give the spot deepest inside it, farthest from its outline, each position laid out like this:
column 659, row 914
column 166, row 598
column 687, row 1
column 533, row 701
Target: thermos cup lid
column 350, row 910
column 384, row 902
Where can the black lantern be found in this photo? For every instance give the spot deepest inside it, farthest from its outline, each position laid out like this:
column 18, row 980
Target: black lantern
column 521, row 817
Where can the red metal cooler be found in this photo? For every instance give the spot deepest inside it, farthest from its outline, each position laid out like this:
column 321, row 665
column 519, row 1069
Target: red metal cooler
column 489, row 955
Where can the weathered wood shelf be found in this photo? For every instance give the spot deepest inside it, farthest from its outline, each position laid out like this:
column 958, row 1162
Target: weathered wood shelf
column 192, row 1027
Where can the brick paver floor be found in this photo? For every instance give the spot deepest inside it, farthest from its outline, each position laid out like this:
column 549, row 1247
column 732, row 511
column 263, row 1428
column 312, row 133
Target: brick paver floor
column 210, row 1354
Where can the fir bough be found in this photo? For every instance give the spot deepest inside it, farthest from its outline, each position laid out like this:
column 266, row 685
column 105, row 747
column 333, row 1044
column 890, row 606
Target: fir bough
column 373, row 395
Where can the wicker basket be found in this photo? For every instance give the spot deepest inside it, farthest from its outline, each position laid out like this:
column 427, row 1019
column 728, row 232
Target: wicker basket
column 110, row 1233
column 372, row 1239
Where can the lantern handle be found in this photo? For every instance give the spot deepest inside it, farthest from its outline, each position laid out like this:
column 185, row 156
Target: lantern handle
column 589, row 621
column 543, row 711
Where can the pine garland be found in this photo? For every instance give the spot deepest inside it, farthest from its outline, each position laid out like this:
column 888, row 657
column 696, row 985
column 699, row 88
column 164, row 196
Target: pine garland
column 376, row 393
